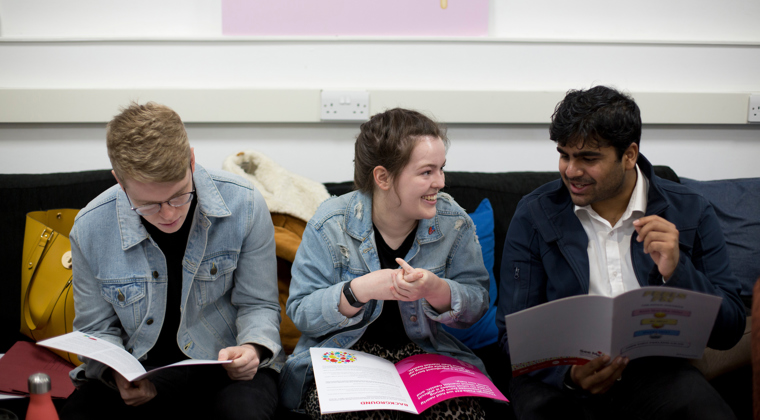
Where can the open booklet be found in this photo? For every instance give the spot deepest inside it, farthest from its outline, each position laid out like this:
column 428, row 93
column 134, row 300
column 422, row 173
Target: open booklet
column 650, row 321
column 112, row 355
column 350, row 380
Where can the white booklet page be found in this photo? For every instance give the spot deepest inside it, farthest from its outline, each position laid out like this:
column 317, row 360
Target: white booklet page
column 650, row 321
column 114, row 356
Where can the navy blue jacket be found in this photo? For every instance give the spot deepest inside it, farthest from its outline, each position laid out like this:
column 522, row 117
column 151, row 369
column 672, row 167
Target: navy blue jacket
column 545, row 257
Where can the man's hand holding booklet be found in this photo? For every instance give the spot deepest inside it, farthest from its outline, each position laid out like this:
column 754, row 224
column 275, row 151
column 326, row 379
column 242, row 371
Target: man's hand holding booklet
column 650, row 321
column 112, row 355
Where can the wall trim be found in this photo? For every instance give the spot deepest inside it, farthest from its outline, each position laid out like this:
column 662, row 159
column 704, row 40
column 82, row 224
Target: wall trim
column 302, row 105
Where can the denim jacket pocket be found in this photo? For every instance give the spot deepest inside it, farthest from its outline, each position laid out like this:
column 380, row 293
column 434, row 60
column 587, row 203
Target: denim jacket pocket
column 128, row 300
column 347, row 275
column 214, row 277
column 439, row 271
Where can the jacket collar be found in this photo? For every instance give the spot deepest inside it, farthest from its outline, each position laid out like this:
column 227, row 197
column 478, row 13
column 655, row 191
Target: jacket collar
column 358, row 220
column 210, row 203
column 656, row 200
column 558, row 222
column 557, row 206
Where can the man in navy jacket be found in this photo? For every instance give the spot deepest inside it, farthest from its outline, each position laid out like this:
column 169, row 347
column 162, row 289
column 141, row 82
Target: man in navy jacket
column 608, row 226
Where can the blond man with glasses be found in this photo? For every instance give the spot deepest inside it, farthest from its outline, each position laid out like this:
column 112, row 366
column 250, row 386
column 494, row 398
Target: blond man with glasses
column 175, row 262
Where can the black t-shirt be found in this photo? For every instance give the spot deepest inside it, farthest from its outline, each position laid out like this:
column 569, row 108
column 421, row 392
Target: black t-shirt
column 167, row 351
column 388, row 329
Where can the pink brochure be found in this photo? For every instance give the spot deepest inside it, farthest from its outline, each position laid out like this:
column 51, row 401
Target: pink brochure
column 350, row 380
column 432, row 378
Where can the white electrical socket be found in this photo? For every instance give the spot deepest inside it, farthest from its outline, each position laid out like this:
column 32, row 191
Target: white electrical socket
column 344, row 105
column 754, row 108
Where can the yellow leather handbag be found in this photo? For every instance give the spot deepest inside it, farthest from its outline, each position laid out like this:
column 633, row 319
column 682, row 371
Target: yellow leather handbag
column 47, row 296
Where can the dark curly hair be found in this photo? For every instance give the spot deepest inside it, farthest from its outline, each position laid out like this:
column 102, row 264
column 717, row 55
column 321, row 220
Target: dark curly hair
column 387, row 140
column 600, row 115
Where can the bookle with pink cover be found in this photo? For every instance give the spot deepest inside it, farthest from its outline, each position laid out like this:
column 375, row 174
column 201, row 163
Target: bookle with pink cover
column 349, row 380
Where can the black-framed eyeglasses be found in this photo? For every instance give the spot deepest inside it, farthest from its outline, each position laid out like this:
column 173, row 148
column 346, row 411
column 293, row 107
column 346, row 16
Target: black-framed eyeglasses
column 151, row 209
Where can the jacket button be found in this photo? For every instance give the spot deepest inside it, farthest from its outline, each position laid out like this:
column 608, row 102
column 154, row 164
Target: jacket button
column 413, row 318
column 149, row 322
column 213, row 269
column 155, row 274
column 130, row 350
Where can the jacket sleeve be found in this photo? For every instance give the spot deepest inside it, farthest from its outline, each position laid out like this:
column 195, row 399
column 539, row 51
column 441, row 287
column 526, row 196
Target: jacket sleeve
column 93, row 314
column 707, row 270
column 255, row 290
column 523, row 282
column 468, row 280
column 522, row 275
column 316, row 286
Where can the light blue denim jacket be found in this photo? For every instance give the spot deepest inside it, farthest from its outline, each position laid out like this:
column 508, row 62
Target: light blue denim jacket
column 338, row 245
column 229, row 277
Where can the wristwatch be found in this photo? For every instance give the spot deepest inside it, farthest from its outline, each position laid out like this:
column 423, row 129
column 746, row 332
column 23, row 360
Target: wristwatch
column 569, row 384
column 350, row 296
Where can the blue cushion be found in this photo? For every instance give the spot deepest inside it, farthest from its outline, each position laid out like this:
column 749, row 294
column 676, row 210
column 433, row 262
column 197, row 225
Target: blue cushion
column 483, row 332
column 736, row 202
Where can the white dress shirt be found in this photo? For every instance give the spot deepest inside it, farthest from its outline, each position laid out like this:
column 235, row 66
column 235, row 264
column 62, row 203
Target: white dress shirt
column 609, row 247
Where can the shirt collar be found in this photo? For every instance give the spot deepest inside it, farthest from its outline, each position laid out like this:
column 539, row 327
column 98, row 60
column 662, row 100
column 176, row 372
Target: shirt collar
column 638, row 202
column 637, row 205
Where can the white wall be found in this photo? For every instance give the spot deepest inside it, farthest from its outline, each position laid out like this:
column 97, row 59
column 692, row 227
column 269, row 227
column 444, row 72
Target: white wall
column 643, row 20
column 325, row 152
column 601, row 20
column 696, row 47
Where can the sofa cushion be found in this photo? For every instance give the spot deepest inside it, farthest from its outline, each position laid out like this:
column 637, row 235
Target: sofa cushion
column 736, row 202
column 483, row 332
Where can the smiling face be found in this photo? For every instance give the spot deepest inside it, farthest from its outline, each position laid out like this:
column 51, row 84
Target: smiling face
column 169, row 219
column 594, row 175
column 417, row 186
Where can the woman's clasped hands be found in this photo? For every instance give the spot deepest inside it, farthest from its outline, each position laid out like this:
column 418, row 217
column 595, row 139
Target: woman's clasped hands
column 410, row 284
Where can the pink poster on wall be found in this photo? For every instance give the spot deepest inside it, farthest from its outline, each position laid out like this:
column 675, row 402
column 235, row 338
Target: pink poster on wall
column 355, row 17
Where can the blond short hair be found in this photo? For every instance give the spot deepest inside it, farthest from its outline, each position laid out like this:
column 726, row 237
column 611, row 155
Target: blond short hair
column 148, row 143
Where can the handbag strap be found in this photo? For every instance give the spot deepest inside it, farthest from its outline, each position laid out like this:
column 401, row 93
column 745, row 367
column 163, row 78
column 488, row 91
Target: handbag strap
column 46, row 238
column 48, row 310
column 39, row 250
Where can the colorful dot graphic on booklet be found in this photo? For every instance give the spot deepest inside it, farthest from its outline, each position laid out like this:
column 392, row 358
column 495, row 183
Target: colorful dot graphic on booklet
column 338, row 357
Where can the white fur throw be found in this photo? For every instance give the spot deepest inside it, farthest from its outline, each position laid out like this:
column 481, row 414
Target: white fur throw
column 284, row 191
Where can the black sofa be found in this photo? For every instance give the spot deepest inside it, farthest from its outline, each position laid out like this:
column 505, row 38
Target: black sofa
column 30, row 192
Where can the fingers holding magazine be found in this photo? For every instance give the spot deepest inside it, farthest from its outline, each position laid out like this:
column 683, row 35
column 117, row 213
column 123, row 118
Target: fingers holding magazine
column 598, row 375
column 134, row 393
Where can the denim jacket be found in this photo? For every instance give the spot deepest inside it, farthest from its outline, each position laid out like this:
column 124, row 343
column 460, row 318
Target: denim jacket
column 546, row 258
column 229, row 281
column 338, row 245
